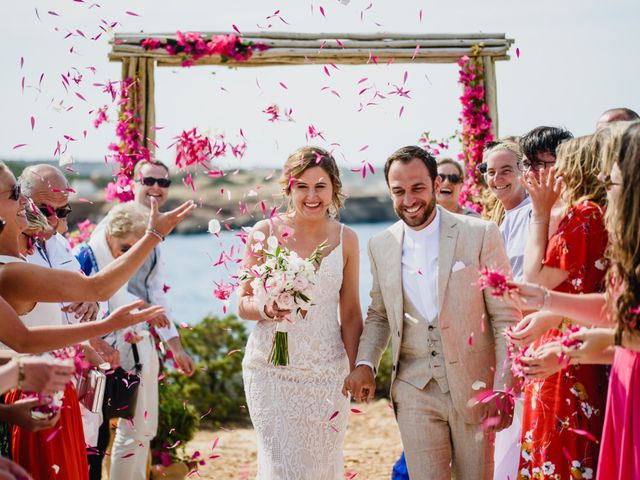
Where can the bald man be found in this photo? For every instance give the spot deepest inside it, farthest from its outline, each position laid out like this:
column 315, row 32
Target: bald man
column 621, row 114
column 47, row 186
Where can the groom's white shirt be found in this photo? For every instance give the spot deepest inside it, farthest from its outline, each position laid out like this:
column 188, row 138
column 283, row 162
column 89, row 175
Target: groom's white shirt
column 420, row 269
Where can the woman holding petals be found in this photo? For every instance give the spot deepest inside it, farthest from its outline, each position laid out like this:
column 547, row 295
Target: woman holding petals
column 564, row 404
column 298, row 410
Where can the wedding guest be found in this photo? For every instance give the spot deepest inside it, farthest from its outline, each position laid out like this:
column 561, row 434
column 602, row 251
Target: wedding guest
column 562, row 399
column 304, row 439
column 620, row 443
column 32, row 291
column 621, row 114
column 125, row 225
column 48, row 188
column 503, row 175
column 451, row 176
column 442, row 347
column 151, row 184
column 539, row 147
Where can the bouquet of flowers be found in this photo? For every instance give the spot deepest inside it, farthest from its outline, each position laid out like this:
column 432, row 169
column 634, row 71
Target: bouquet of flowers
column 283, row 278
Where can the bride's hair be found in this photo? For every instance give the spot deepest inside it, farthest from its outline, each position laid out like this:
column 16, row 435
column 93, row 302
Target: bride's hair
column 308, row 157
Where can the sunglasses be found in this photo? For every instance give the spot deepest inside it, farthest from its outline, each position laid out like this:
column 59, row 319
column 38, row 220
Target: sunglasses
column 61, row 212
column 453, row 178
column 151, row 181
column 14, row 192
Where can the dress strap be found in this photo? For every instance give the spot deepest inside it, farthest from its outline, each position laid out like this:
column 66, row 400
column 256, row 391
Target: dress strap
column 341, row 230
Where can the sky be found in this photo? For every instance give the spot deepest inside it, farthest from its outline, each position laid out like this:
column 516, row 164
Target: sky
column 576, row 60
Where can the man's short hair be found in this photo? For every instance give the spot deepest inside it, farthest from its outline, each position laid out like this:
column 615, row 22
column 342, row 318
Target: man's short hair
column 142, row 163
column 543, row 140
column 408, row 153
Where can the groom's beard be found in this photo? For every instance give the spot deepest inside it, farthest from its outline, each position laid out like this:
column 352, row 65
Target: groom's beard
column 422, row 219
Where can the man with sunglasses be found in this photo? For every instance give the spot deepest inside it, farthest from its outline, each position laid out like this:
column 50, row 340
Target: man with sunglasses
column 48, row 188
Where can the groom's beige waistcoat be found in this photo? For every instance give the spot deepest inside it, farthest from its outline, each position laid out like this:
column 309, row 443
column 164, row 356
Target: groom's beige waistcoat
column 466, row 345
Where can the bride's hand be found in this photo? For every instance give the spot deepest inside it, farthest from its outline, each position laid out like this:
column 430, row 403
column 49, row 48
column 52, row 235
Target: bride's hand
column 276, row 313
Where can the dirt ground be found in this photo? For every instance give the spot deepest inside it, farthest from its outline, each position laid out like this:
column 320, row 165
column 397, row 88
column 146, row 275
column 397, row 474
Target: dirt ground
column 372, row 445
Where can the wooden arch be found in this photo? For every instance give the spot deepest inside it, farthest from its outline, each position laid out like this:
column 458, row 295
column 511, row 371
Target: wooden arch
column 313, row 48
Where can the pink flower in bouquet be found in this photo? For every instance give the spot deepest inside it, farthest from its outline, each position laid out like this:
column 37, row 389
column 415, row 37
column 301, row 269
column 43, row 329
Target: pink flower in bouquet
column 285, row 301
column 300, row 283
column 494, row 280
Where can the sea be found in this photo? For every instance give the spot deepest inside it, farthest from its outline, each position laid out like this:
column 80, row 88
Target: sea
column 193, row 264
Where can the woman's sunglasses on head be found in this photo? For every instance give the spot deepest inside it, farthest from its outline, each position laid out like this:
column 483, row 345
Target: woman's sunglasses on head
column 151, row 181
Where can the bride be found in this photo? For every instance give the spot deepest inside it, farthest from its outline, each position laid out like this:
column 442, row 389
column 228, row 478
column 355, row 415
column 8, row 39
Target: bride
column 298, row 410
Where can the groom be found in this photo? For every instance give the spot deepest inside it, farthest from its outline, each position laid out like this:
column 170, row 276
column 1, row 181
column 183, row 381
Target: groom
column 446, row 335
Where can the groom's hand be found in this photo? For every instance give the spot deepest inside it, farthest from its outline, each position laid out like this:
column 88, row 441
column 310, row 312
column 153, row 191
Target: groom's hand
column 360, row 383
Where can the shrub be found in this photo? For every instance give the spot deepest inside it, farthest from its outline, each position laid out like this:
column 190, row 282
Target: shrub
column 216, row 386
column 177, row 425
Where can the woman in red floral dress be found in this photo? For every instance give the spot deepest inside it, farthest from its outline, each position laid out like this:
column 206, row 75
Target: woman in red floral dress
column 564, row 404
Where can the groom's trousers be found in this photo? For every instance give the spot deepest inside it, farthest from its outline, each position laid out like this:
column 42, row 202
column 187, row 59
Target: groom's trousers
column 437, row 442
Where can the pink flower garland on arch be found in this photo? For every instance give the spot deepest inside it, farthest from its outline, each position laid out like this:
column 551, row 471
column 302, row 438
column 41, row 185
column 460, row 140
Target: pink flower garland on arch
column 193, row 46
column 476, row 126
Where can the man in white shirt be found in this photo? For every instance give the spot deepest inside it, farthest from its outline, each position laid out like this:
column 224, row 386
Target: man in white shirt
column 447, row 336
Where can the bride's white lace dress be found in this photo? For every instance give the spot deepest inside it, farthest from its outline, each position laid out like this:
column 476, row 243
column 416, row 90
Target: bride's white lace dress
column 293, row 408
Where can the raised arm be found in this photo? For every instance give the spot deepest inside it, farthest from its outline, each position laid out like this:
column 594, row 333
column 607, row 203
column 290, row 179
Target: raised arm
column 23, row 284
column 350, row 312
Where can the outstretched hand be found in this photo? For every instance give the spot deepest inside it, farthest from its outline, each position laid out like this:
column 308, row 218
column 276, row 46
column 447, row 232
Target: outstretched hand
column 125, row 316
column 164, row 223
column 525, row 296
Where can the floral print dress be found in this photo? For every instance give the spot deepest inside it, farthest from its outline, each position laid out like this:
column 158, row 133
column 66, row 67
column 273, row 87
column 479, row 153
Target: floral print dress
column 564, row 412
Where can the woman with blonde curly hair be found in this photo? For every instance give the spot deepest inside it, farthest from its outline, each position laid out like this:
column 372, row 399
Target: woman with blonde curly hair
column 298, row 411
column 561, row 399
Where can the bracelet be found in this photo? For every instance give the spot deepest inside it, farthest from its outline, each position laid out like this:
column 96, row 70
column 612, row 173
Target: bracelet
column 153, row 231
column 538, row 222
column 617, row 336
column 21, row 376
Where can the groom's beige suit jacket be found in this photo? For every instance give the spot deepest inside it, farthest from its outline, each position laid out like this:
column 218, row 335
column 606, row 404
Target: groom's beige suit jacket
column 471, row 321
